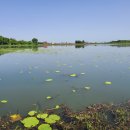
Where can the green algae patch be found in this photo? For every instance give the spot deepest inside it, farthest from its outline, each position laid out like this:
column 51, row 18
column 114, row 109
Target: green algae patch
column 44, row 127
column 30, row 122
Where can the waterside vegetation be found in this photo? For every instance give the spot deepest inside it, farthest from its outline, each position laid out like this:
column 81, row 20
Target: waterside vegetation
column 94, row 117
column 11, row 42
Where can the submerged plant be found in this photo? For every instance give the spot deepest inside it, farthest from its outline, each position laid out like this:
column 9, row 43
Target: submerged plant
column 30, row 122
column 44, row 127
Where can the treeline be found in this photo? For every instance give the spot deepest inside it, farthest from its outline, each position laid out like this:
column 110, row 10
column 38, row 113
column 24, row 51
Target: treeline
column 14, row 42
column 121, row 41
column 79, row 41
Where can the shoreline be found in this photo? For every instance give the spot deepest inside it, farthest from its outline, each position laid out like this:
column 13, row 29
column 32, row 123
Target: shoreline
column 94, row 117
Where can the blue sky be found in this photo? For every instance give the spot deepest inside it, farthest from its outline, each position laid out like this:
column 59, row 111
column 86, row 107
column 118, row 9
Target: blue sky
column 65, row 20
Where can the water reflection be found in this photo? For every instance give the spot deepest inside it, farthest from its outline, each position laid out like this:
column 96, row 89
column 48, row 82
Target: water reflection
column 79, row 45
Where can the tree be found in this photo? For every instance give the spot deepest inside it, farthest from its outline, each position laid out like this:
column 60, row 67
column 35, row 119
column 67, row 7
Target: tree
column 35, row 40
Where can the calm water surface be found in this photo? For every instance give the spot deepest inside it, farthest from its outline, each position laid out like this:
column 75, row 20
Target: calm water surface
column 23, row 74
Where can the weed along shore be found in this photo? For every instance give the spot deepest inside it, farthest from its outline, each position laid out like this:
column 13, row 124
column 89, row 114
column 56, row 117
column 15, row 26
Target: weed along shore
column 94, row 117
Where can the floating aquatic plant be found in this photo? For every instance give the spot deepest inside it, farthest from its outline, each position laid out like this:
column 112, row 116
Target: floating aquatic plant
column 108, row 83
column 73, row 75
column 49, row 120
column 57, row 107
column 73, row 91
column 30, row 122
column 32, row 113
column 42, row 115
column 44, row 127
column 57, row 71
column 15, row 117
column 49, row 80
column 4, row 101
column 88, row 88
column 52, row 119
column 64, row 64
column 82, row 73
column 48, row 97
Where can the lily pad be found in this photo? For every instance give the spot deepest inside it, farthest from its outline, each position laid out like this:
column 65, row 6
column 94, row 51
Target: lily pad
column 57, row 107
column 44, row 127
column 30, row 122
column 42, row 115
column 54, row 117
column 49, row 120
column 49, row 80
column 4, row 101
column 15, row 117
column 32, row 113
column 48, row 97
column 73, row 91
column 57, row 71
column 73, row 75
column 88, row 88
column 82, row 73
column 108, row 83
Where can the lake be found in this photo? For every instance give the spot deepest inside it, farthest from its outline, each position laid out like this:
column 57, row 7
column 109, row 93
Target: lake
column 23, row 75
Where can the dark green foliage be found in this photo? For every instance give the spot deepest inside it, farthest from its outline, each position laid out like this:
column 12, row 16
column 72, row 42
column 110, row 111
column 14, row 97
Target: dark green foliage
column 14, row 42
column 35, row 40
column 121, row 41
column 78, row 41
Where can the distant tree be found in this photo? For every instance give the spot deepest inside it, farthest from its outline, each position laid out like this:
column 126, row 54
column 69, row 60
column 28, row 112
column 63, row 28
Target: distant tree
column 12, row 41
column 78, row 41
column 35, row 40
column 1, row 40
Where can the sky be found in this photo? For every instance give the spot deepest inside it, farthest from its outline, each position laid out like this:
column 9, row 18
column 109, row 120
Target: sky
column 65, row 20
